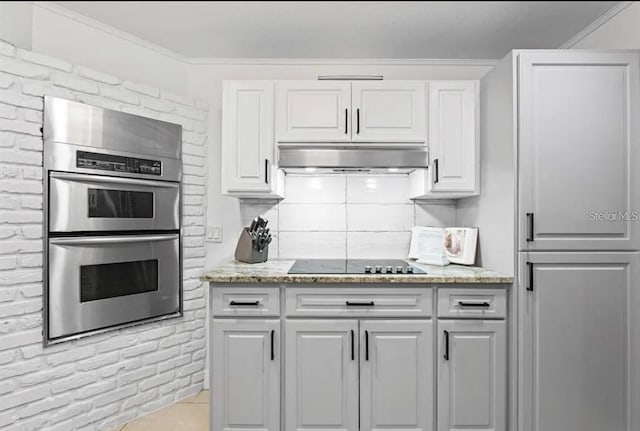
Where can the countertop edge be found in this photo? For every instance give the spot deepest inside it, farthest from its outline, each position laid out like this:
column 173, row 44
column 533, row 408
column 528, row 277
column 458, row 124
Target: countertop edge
column 289, row 279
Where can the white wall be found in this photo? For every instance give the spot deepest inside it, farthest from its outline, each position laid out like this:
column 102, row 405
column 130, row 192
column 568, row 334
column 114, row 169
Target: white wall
column 104, row 380
column 206, row 81
column 620, row 32
column 16, row 23
column 46, row 28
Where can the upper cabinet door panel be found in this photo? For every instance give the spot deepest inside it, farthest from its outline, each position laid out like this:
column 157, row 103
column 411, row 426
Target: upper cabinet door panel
column 247, row 136
column 388, row 111
column 579, row 150
column 453, row 141
column 313, row 111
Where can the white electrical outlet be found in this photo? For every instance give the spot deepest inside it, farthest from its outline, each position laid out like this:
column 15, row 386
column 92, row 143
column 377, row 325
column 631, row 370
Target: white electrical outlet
column 214, row 234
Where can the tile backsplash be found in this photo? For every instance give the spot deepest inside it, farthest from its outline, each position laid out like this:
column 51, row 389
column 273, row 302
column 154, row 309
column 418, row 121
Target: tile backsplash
column 338, row 216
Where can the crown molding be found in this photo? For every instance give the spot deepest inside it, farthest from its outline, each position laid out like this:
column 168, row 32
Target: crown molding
column 596, row 24
column 82, row 19
column 52, row 7
column 342, row 61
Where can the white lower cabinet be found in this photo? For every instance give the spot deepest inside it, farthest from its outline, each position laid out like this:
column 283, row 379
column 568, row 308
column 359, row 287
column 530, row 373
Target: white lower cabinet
column 245, row 367
column 396, row 375
column 321, row 389
column 472, row 363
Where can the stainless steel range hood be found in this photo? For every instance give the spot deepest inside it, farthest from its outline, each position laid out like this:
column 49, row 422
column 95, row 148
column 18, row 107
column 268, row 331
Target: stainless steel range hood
column 352, row 158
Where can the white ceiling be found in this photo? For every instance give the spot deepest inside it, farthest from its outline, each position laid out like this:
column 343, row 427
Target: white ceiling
column 324, row 29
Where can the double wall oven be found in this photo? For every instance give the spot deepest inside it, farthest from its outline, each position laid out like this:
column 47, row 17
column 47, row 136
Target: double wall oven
column 112, row 240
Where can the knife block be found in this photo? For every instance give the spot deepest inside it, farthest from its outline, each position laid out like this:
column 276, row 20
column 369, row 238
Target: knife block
column 246, row 250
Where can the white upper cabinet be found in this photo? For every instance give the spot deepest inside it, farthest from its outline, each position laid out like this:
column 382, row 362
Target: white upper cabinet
column 388, row 111
column 454, row 167
column 579, row 150
column 313, row 111
column 248, row 163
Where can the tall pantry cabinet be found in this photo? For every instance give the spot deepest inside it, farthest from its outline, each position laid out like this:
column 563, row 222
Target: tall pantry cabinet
column 572, row 124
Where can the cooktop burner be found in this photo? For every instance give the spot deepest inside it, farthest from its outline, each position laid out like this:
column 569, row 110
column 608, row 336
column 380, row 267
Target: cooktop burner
column 354, row 266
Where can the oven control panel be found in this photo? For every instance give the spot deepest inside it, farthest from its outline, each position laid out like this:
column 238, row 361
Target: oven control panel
column 110, row 162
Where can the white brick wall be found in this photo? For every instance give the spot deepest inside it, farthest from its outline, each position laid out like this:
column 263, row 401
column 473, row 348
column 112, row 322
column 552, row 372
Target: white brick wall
column 105, row 380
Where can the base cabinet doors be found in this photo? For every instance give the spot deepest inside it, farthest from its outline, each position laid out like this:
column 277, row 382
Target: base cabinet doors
column 396, row 375
column 580, row 341
column 245, row 366
column 321, row 375
column 472, row 364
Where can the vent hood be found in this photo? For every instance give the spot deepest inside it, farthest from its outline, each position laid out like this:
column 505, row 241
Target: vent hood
column 352, row 158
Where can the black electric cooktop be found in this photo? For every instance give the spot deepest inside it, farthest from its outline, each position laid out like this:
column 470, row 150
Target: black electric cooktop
column 354, row 266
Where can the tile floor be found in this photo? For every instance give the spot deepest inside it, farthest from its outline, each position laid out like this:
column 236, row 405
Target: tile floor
column 191, row 414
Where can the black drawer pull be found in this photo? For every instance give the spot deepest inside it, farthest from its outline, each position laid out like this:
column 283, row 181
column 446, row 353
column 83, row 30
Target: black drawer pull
column 360, row 304
column 346, row 121
column 353, row 348
column 244, row 303
column 530, row 269
column 474, row 304
column 435, row 165
column 358, row 121
column 366, row 345
column 273, row 352
column 530, row 235
column 446, row 345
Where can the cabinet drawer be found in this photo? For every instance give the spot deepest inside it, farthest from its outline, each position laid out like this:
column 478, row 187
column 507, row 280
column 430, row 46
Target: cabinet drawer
column 238, row 301
column 358, row 302
column 478, row 303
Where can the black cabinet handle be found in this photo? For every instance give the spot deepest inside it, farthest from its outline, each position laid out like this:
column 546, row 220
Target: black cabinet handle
column 353, row 349
column 244, row 303
column 346, row 120
column 446, row 345
column 360, row 304
column 530, row 269
column 273, row 351
column 366, row 345
column 474, row 304
column 266, row 171
column 435, row 166
column 358, row 121
column 530, row 234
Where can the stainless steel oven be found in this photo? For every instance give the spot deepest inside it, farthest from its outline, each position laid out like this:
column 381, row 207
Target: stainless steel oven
column 111, row 203
column 113, row 238
column 103, row 281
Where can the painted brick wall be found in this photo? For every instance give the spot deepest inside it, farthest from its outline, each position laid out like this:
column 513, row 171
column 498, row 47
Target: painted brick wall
column 101, row 381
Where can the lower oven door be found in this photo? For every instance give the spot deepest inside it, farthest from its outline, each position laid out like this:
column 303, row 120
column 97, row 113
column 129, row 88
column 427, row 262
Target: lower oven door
column 104, row 203
column 103, row 281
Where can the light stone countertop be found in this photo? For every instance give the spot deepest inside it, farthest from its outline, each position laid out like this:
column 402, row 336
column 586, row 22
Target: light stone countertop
column 275, row 271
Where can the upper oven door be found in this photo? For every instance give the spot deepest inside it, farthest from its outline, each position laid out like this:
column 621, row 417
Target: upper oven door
column 81, row 202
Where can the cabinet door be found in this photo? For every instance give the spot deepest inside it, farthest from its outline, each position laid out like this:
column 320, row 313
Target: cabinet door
column 453, row 137
column 388, row 111
column 321, row 375
column 247, row 137
column 245, row 363
column 313, row 111
column 580, row 341
column 396, row 376
column 472, row 373
column 579, row 151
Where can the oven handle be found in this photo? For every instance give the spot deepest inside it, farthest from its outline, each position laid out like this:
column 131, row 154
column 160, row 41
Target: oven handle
column 112, row 239
column 112, row 180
